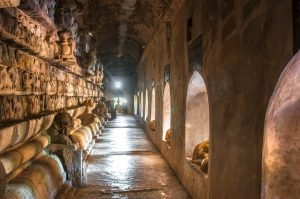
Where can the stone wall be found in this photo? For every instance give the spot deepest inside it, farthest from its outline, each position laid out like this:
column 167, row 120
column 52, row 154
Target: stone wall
column 39, row 72
column 47, row 96
column 246, row 45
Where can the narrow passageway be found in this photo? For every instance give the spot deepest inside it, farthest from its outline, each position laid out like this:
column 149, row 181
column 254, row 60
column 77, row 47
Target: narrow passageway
column 125, row 164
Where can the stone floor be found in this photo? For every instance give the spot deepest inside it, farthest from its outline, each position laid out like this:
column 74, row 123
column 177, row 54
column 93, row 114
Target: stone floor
column 125, row 164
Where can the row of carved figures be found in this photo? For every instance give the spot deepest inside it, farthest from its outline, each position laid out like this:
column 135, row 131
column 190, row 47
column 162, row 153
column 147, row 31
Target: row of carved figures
column 12, row 57
column 21, row 107
column 13, row 79
column 25, row 31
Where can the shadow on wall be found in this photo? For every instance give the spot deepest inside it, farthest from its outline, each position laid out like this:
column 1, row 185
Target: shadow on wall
column 281, row 149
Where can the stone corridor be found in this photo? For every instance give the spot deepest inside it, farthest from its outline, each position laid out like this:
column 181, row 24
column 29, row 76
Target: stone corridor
column 149, row 99
column 125, row 164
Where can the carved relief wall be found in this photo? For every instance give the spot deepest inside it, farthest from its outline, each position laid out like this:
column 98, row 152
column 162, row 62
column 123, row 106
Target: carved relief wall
column 47, row 96
column 38, row 69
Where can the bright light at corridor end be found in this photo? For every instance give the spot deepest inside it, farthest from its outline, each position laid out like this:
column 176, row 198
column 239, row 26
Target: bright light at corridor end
column 118, row 84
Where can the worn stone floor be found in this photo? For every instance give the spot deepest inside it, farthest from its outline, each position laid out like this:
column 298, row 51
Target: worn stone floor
column 125, row 164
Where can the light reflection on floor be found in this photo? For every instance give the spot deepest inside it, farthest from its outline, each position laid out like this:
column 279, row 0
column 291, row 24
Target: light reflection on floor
column 125, row 164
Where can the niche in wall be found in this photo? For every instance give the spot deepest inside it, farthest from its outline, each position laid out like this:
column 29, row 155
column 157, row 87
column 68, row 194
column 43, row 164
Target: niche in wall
column 281, row 146
column 153, row 105
column 166, row 114
column 135, row 104
column 146, row 106
column 141, row 104
column 197, row 122
column 152, row 114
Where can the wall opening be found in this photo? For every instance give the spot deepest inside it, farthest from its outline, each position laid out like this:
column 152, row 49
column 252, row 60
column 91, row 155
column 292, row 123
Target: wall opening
column 141, row 105
column 281, row 146
column 146, row 106
column 167, row 114
column 152, row 114
column 135, row 102
column 197, row 122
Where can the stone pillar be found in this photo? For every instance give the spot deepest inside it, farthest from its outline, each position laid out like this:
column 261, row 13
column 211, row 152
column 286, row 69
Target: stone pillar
column 74, row 160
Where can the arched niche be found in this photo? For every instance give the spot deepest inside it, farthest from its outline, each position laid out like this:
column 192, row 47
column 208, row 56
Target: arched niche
column 146, row 106
column 166, row 111
column 135, row 102
column 197, row 114
column 141, row 104
column 152, row 123
column 152, row 105
column 281, row 147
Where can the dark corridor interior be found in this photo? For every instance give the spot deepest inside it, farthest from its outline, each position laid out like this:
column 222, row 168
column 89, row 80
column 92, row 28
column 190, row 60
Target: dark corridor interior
column 149, row 99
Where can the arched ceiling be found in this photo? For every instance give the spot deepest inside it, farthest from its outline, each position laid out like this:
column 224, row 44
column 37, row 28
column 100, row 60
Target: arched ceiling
column 121, row 29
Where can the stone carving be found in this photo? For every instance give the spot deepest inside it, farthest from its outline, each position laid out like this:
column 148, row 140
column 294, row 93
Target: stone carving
column 66, row 47
column 25, row 75
column 101, row 111
column 200, row 156
column 152, row 125
column 5, row 82
column 59, row 131
column 9, row 3
column 27, row 81
column 37, row 83
column 14, row 78
column 88, row 60
column 12, row 108
column 4, row 54
column 12, row 57
column 5, row 110
column 168, row 136
column 18, row 108
column 34, row 105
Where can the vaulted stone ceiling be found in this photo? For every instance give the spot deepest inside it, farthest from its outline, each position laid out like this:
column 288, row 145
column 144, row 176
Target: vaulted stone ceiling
column 121, row 29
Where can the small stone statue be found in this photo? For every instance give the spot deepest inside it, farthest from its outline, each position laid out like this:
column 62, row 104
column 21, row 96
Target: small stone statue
column 168, row 136
column 5, row 81
column 66, row 47
column 14, row 77
column 27, row 81
column 59, row 131
column 200, row 156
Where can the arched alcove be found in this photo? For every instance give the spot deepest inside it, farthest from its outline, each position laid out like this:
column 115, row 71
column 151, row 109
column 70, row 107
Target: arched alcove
column 197, row 114
column 152, row 105
column 152, row 113
column 146, row 106
column 281, row 147
column 141, row 104
column 166, row 111
column 135, row 102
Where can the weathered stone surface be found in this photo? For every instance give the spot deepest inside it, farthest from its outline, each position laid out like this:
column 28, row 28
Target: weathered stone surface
column 245, row 47
column 74, row 160
column 41, row 180
column 9, row 3
column 282, row 136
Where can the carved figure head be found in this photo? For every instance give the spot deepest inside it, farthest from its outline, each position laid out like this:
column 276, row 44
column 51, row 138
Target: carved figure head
column 64, row 122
